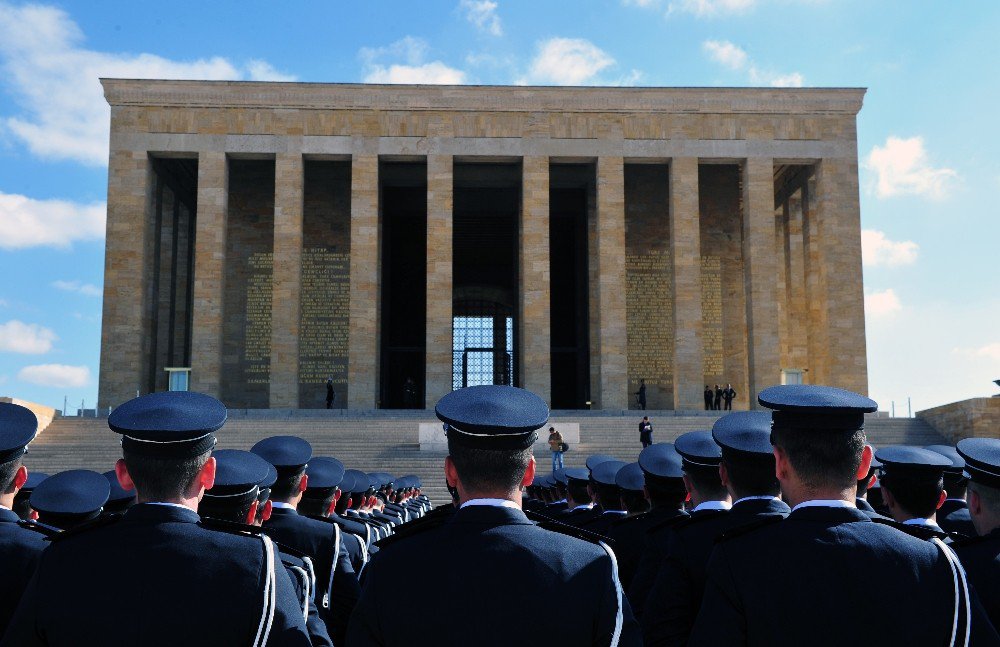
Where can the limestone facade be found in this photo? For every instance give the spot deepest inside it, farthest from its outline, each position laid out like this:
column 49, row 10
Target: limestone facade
column 722, row 235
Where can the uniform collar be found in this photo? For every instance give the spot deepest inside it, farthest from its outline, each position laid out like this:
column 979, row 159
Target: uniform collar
column 828, row 513
column 711, row 505
column 281, row 505
column 495, row 503
column 160, row 512
column 582, row 506
column 917, row 521
column 765, row 497
column 7, row 515
column 489, row 515
column 824, row 503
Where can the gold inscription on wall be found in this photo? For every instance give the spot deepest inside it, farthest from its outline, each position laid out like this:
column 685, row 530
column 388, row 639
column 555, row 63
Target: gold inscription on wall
column 257, row 327
column 711, row 315
column 326, row 300
column 649, row 319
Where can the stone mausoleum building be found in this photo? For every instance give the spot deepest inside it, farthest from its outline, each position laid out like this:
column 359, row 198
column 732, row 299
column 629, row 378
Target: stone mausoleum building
column 408, row 240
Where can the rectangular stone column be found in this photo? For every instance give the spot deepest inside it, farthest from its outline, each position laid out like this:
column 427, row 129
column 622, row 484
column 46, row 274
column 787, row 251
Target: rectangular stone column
column 287, row 280
column 124, row 331
column 440, row 191
column 209, row 273
column 611, row 289
column 798, row 355
column 685, row 249
column 536, row 345
column 817, row 330
column 362, row 346
column 842, row 299
column 760, row 275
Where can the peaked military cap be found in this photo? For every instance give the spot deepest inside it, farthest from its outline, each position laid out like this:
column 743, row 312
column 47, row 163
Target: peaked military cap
column 348, row 483
column 361, row 483
column 596, row 459
column 911, row 461
column 949, row 452
column 605, row 472
column 876, row 463
column 698, row 448
column 284, row 452
column 982, row 460
column 324, row 473
column 810, row 407
column 548, row 481
column 117, row 494
column 386, row 478
column 18, row 426
column 73, row 492
column 661, row 461
column 492, row 417
column 630, row 477
column 34, row 478
column 744, row 431
column 238, row 474
column 169, row 424
column 577, row 474
column 560, row 476
column 414, row 481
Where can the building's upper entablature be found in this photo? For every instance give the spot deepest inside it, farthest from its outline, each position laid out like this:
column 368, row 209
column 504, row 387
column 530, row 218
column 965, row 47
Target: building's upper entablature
column 337, row 96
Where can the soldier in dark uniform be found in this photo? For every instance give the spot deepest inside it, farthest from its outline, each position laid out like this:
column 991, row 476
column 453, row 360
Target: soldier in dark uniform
column 953, row 515
column 560, row 503
column 119, row 499
column 607, row 495
column 747, row 472
column 865, row 484
column 913, row 487
column 319, row 501
column 21, row 542
column 631, row 489
column 487, row 558
column 700, row 458
column 579, row 503
column 717, row 401
column 71, row 498
column 164, row 559
column 797, row 581
column 981, row 555
column 355, row 527
column 337, row 586
column 663, row 484
column 234, row 500
column 709, row 397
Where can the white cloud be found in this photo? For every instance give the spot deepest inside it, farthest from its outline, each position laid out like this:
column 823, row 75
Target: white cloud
column 735, row 58
column 55, row 80
column 28, row 339
column 483, row 14
column 712, row 8
column 902, row 168
column 57, row 375
column 263, row 71
column 726, row 53
column 989, row 351
column 567, row 61
column 86, row 289
column 26, row 222
column 881, row 305
column 877, row 250
column 414, row 68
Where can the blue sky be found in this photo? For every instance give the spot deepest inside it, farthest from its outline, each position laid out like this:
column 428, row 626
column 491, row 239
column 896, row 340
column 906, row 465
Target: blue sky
column 928, row 140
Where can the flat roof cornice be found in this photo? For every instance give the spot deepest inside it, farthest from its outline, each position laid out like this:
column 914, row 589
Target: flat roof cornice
column 479, row 98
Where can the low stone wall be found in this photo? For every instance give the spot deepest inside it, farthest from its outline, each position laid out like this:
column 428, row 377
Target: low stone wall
column 43, row 413
column 975, row 418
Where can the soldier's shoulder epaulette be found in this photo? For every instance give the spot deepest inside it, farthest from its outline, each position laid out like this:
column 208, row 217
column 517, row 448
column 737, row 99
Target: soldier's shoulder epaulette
column 630, row 519
column 920, row 532
column 695, row 519
column 319, row 518
column 668, row 523
column 231, row 527
column 39, row 527
column 745, row 529
column 99, row 522
column 291, row 552
column 407, row 530
column 554, row 525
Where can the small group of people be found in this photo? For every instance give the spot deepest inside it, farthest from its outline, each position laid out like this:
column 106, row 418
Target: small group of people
column 719, row 399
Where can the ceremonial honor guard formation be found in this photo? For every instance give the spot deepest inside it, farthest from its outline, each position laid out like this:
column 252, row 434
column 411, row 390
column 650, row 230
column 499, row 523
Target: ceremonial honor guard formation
column 775, row 527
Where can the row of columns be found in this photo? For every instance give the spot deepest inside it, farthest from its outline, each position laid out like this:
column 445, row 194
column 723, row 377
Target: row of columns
column 831, row 247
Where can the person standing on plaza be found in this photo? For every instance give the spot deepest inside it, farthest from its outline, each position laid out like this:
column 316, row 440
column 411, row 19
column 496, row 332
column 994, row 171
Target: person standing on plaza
column 728, row 394
column 709, row 396
column 640, row 395
column 717, row 402
column 329, row 393
column 556, row 446
column 646, row 432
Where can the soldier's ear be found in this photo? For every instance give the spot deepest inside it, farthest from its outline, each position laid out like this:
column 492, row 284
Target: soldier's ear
column 866, row 463
column 450, row 473
column 252, row 514
column 975, row 503
column 944, row 495
column 124, row 478
column 206, row 476
column 20, row 477
column 304, row 483
column 723, row 474
column 265, row 512
column 529, row 474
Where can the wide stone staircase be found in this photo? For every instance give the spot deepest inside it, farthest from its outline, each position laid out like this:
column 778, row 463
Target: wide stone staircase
column 388, row 441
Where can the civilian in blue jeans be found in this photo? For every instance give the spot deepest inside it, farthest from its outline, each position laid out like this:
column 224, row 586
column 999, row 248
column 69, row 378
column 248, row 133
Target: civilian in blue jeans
column 556, row 445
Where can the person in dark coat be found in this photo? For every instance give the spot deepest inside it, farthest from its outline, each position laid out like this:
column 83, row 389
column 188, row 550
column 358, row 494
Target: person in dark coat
column 645, row 432
column 728, row 395
column 747, row 472
column 709, row 397
column 796, row 581
column 21, row 541
column 640, row 395
column 913, row 487
column 604, row 486
column 953, row 515
column 337, row 586
column 157, row 575
column 488, row 560
column 980, row 555
column 717, row 402
column 329, row 393
column 579, row 502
